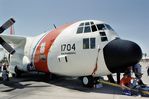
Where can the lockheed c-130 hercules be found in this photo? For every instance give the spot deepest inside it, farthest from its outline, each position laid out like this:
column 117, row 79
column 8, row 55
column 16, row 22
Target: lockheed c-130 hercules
column 86, row 49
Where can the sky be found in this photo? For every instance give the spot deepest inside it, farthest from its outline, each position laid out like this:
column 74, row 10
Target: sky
column 129, row 18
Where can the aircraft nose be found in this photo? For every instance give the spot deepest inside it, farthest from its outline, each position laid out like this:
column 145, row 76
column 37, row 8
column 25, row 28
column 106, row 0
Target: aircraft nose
column 119, row 54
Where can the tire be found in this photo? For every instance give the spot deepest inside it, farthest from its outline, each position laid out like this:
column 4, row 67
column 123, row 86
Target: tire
column 88, row 81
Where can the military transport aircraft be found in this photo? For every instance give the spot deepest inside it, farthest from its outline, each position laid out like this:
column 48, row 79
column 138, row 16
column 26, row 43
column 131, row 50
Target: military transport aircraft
column 87, row 49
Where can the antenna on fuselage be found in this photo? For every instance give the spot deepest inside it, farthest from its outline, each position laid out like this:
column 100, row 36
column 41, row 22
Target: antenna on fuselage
column 54, row 26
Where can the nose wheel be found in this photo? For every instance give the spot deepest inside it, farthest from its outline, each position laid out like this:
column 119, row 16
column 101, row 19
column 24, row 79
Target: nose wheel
column 88, row 81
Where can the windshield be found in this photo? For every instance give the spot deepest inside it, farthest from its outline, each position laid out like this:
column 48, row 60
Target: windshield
column 88, row 27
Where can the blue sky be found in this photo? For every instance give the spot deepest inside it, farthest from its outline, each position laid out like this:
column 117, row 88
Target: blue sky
column 129, row 18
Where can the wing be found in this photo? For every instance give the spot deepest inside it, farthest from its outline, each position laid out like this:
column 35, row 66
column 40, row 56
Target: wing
column 1, row 49
column 13, row 40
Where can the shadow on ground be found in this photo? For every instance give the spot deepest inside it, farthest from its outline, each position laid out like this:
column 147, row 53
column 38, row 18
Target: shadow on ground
column 66, row 82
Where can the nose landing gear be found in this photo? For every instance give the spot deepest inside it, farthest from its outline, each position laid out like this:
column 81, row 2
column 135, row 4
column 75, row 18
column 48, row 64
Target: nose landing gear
column 89, row 81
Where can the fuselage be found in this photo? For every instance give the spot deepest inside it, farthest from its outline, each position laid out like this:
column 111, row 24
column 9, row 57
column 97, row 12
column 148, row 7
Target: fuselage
column 76, row 49
column 68, row 50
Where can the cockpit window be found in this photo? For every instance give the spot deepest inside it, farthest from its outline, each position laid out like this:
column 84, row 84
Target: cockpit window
column 102, row 33
column 92, row 23
column 92, row 43
column 104, row 27
column 103, row 39
column 87, row 29
column 80, row 30
column 82, row 24
column 86, row 43
column 109, row 27
column 103, row 36
column 93, row 28
column 87, row 23
column 101, row 26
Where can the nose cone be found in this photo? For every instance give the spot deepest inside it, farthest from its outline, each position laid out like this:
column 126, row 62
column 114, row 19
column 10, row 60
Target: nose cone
column 119, row 54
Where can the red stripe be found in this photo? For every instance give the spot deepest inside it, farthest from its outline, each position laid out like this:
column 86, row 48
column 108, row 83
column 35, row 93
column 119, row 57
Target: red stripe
column 40, row 59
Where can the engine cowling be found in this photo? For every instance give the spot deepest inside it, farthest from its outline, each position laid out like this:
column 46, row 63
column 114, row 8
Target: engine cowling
column 26, row 63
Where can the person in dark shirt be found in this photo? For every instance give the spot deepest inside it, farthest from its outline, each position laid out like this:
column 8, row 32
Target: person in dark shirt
column 5, row 73
column 137, row 69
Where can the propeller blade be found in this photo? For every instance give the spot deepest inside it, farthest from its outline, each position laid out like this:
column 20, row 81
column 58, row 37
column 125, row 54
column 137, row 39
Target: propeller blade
column 7, row 46
column 6, row 25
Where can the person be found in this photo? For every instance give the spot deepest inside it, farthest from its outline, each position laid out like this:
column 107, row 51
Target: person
column 148, row 70
column 126, row 82
column 0, row 67
column 137, row 69
column 128, row 71
column 5, row 73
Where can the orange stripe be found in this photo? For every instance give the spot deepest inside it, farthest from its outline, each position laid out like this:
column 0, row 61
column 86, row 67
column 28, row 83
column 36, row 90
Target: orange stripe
column 41, row 53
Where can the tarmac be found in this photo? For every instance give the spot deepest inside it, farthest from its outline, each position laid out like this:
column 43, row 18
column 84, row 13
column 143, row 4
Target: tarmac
column 37, row 86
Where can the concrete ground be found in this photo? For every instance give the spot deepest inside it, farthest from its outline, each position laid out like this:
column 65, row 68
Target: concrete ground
column 34, row 86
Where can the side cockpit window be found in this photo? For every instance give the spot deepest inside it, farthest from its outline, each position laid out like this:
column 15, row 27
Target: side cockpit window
column 89, row 43
column 92, row 43
column 101, row 26
column 104, row 27
column 109, row 27
column 103, row 36
column 86, row 43
column 102, row 33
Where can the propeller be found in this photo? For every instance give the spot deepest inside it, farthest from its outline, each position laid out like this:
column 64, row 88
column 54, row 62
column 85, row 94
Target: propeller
column 5, row 26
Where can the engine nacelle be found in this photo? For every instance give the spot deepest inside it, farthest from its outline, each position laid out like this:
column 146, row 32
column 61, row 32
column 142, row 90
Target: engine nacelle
column 17, row 67
column 22, row 65
column 26, row 64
